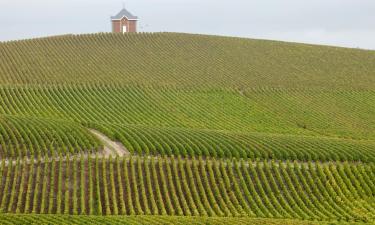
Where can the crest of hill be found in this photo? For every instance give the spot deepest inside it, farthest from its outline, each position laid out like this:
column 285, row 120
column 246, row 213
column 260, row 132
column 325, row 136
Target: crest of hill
column 183, row 60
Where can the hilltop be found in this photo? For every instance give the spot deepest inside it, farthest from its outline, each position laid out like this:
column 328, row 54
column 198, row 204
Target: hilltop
column 184, row 60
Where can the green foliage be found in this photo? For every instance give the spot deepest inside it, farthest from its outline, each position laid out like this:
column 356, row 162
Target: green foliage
column 20, row 136
column 12, row 219
column 197, row 187
column 187, row 95
column 265, row 99
column 149, row 121
column 179, row 103
column 183, row 60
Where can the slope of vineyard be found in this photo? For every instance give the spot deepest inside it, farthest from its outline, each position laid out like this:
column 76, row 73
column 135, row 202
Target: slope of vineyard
column 183, row 60
column 32, row 137
column 210, row 123
column 184, row 187
column 220, row 131
column 348, row 113
column 169, row 93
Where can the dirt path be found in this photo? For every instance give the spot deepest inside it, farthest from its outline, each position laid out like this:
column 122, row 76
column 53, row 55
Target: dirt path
column 113, row 149
column 110, row 147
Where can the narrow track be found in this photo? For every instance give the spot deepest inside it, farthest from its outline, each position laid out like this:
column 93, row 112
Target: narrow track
column 110, row 147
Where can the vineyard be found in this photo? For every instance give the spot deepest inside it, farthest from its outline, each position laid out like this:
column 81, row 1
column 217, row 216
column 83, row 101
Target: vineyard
column 219, row 130
column 157, row 122
column 183, row 60
column 11, row 219
column 189, row 187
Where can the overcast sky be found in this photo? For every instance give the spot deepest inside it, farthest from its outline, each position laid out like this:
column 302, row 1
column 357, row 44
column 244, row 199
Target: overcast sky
column 349, row 23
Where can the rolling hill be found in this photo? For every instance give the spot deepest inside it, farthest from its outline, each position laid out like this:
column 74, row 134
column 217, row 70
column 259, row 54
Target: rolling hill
column 215, row 126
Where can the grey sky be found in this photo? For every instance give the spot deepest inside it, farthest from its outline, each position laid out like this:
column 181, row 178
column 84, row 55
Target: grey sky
column 348, row 23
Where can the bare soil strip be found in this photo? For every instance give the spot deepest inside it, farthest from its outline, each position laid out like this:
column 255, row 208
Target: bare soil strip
column 110, row 147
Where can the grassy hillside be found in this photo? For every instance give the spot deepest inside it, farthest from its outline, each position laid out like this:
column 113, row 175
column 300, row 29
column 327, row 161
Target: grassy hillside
column 237, row 111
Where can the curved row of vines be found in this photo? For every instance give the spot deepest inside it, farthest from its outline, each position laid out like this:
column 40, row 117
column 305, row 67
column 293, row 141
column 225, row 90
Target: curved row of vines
column 41, row 121
column 183, row 187
column 182, row 60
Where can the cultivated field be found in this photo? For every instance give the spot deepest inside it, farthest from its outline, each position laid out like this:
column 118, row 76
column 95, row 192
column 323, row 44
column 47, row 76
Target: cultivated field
column 189, row 129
